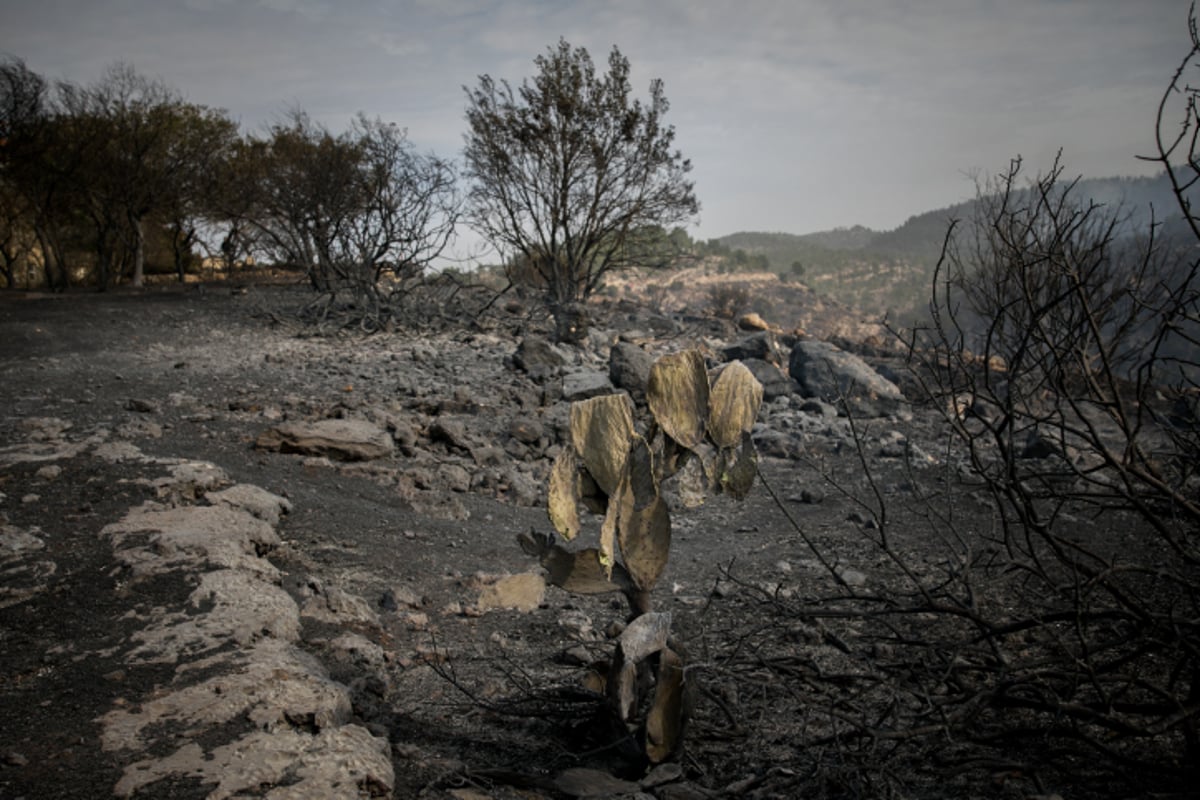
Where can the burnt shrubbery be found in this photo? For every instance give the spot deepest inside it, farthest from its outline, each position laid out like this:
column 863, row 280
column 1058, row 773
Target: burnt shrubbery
column 1058, row 643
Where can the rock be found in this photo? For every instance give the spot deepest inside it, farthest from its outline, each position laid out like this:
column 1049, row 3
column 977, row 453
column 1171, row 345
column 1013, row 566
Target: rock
column 775, row 444
column 585, row 384
column 15, row 543
column 811, row 496
column 437, row 505
column 49, row 473
column 258, row 501
column 452, row 431
column 141, row 406
column 835, row 376
column 153, row 539
column 526, row 430
column 663, row 773
column 852, row 577
column 454, row 477
column 537, row 358
column 359, row 651
column 761, row 345
column 818, row 408
column 340, row 607
column 523, row 592
column 140, row 429
column 398, row 597
column 629, row 368
column 753, row 322
column 774, row 382
column 338, row 439
column 584, row 782
column 42, row 429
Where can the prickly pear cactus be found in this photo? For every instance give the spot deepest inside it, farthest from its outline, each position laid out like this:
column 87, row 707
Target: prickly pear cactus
column 699, row 429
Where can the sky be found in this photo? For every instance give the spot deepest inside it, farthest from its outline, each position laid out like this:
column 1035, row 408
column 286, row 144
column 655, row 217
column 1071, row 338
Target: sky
column 798, row 115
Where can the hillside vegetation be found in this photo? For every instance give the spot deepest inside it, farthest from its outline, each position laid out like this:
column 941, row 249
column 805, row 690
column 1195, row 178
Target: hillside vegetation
column 889, row 272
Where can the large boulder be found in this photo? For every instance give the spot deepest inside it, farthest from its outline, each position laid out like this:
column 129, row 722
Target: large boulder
column 761, row 345
column 774, row 382
column 337, row 439
column 835, row 376
column 629, row 368
column 538, row 358
column 582, row 384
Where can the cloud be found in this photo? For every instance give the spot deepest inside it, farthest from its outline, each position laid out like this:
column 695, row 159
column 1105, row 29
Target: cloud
column 799, row 115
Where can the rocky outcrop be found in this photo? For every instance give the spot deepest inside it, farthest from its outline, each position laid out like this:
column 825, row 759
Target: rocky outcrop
column 235, row 647
column 827, row 373
column 537, row 358
column 629, row 369
column 775, row 383
column 336, row 439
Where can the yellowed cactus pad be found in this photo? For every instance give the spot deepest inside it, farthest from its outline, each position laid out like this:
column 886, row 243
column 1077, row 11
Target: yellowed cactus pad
column 561, row 504
column 736, row 398
column 600, row 432
column 677, row 393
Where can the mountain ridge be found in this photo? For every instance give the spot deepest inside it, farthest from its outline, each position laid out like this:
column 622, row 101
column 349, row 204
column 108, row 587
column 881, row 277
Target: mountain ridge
column 889, row 272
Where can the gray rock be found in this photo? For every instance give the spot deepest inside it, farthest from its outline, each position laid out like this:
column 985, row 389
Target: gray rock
column 852, row 577
column 453, row 432
column 584, row 384
column 336, row 605
column 400, row 596
column 15, row 542
column 776, row 444
column 521, row 489
column 526, row 430
column 775, row 384
column 818, row 408
column 893, row 444
column 338, row 439
column 49, row 472
column 761, row 345
column 835, row 376
column 523, row 592
column 629, row 368
column 538, row 358
column 141, row 406
column 584, row 782
column 255, row 499
column 454, row 477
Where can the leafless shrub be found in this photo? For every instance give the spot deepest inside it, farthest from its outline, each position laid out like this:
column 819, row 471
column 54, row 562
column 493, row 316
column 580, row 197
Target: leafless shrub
column 1050, row 637
column 727, row 300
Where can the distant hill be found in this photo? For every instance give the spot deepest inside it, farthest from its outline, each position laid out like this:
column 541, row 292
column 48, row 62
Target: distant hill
column 889, row 272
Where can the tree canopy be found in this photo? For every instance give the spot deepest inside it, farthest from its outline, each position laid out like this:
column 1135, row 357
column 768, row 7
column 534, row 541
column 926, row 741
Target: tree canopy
column 569, row 172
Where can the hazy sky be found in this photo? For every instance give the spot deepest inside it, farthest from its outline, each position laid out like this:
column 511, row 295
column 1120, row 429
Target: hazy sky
column 799, row 115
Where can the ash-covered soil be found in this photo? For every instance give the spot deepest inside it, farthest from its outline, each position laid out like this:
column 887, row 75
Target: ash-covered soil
column 393, row 561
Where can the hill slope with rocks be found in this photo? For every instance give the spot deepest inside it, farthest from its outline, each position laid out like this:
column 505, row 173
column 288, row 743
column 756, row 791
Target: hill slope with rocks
column 241, row 560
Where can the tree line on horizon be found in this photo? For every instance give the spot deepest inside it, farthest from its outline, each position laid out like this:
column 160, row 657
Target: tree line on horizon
column 104, row 182
column 101, row 183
